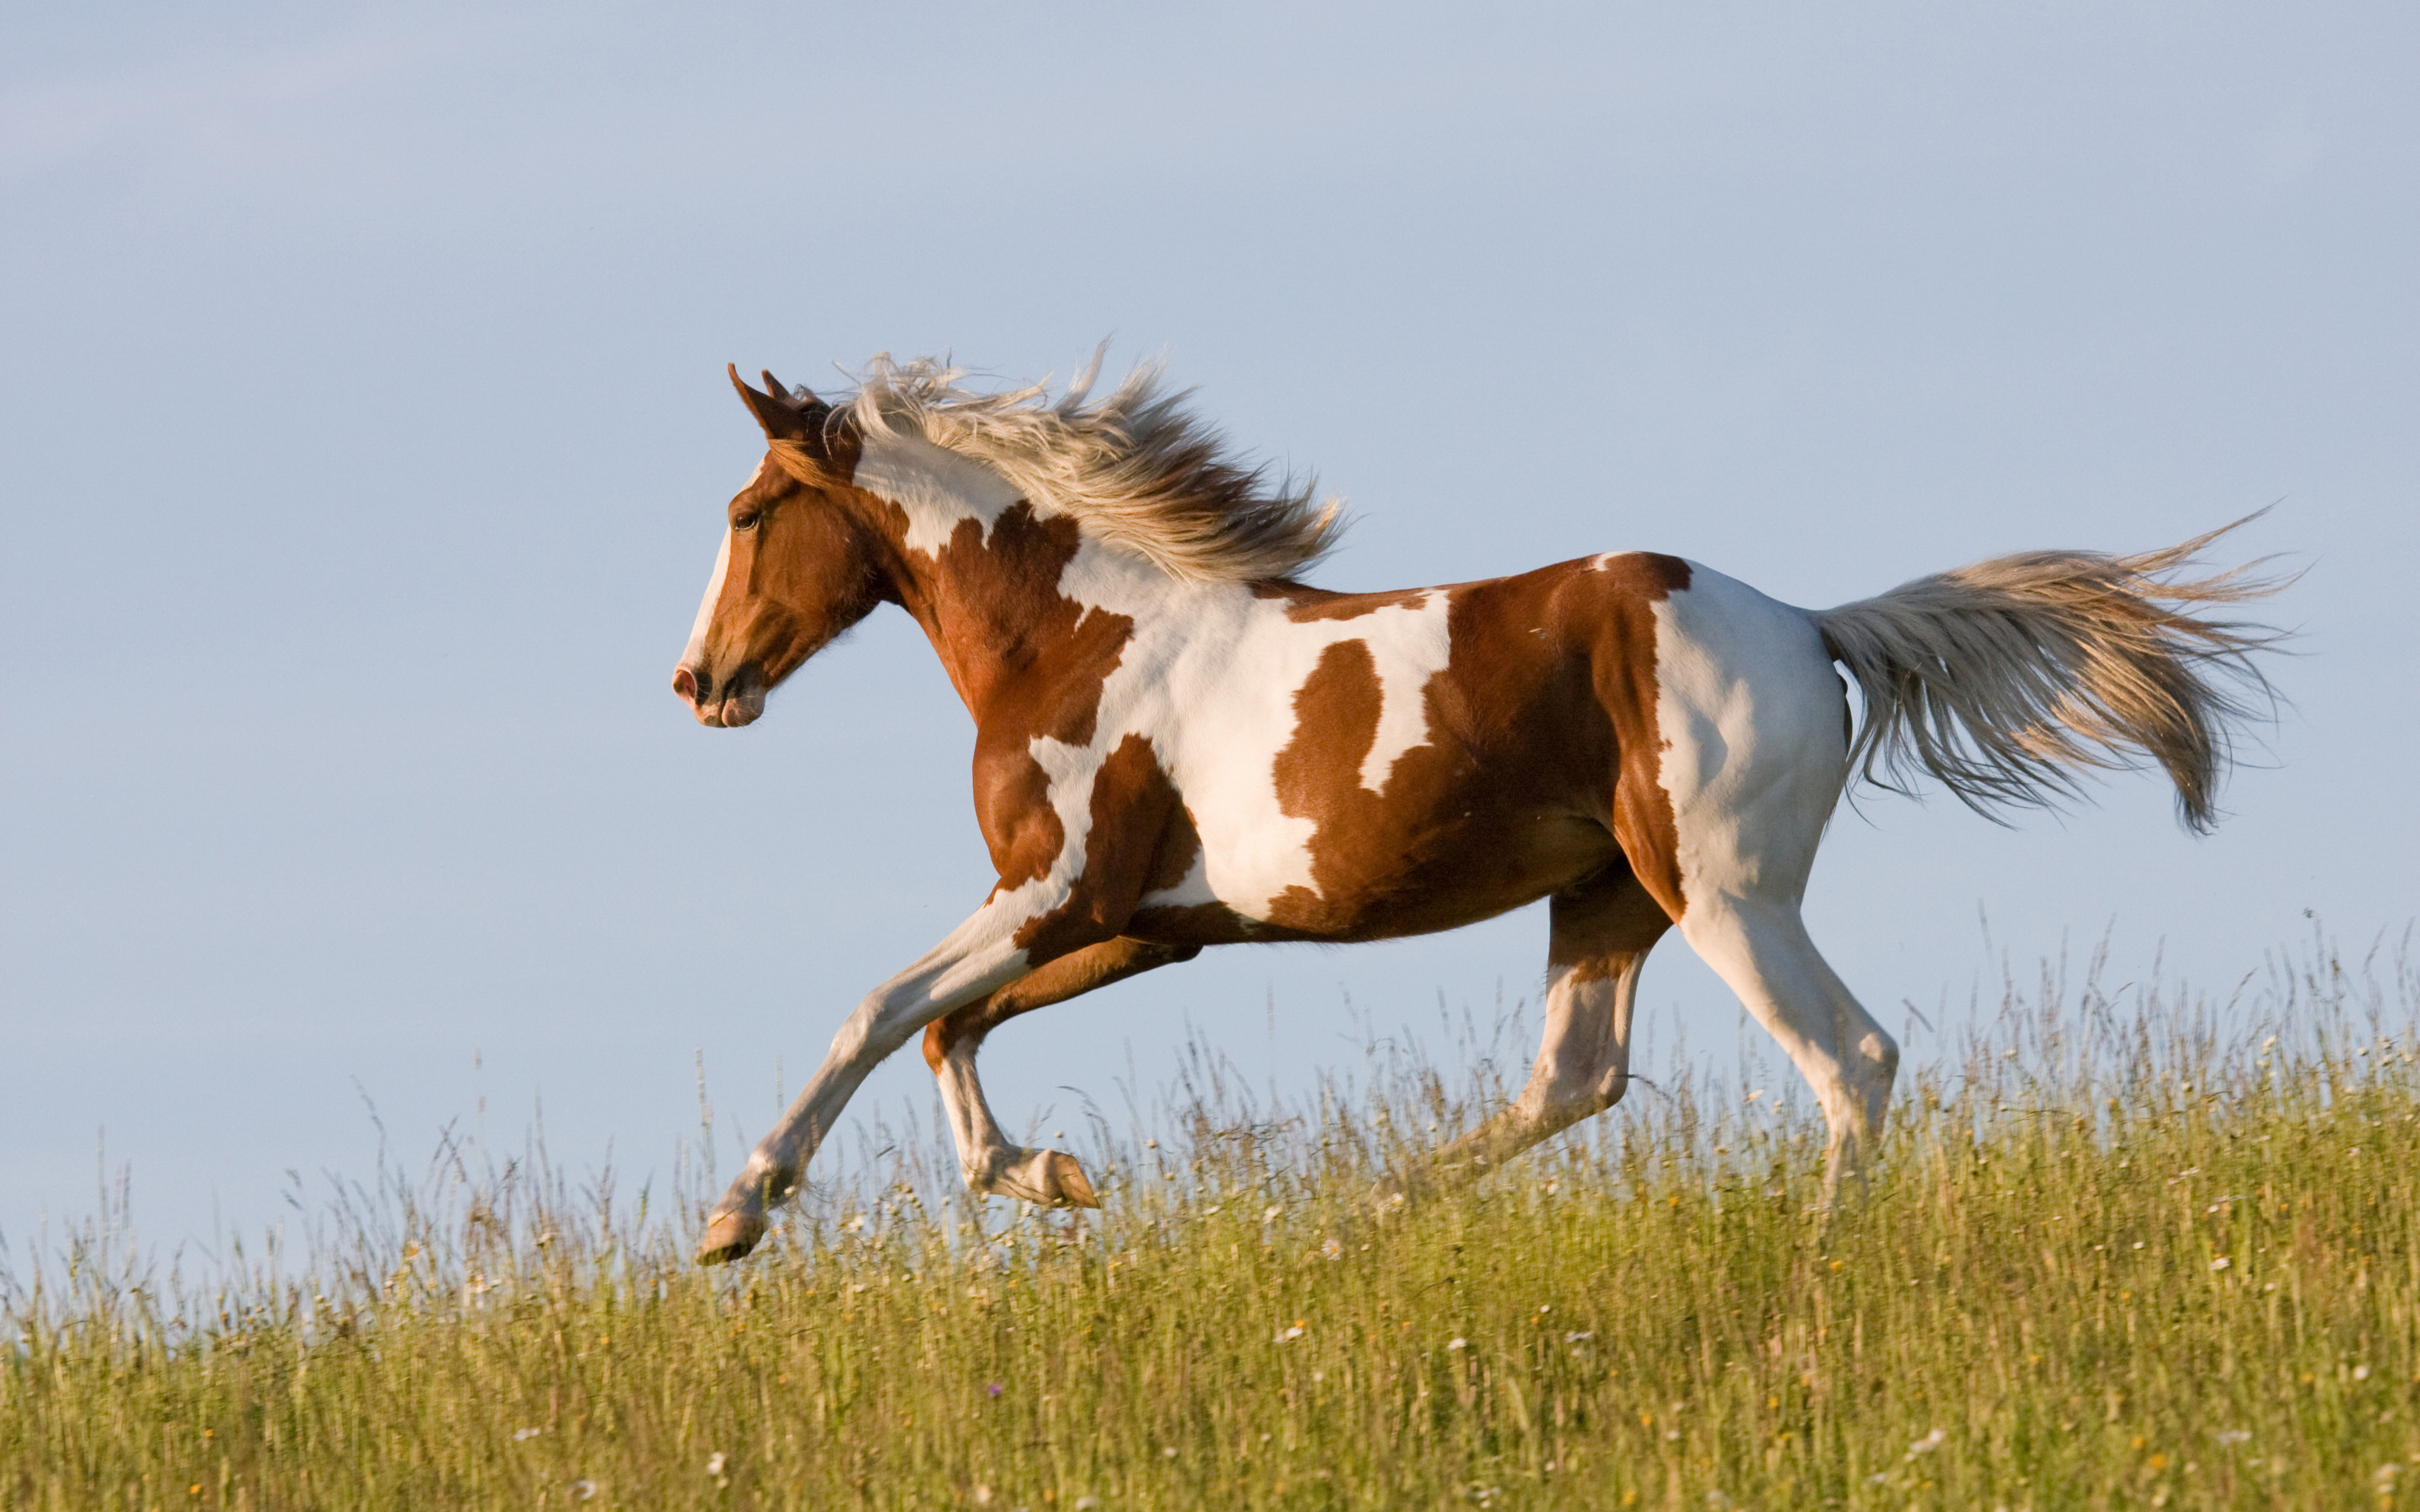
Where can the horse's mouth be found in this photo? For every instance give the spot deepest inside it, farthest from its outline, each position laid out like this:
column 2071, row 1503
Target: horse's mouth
column 736, row 703
column 731, row 712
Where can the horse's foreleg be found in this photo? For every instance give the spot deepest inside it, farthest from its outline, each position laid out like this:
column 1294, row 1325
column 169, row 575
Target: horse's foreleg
column 1601, row 933
column 979, row 957
column 989, row 1162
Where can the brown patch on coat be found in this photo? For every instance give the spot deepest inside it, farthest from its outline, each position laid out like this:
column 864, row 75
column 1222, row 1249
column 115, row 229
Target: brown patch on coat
column 1179, row 848
column 1318, row 776
column 1304, row 604
column 1541, row 767
column 1131, row 802
column 1019, row 653
column 1627, row 686
column 1029, row 662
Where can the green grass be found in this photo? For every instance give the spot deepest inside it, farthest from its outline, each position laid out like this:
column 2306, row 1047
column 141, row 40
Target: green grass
column 2119, row 1252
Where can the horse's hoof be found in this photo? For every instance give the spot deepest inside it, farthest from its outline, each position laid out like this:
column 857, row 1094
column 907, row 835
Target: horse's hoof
column 730, row 1236
column 1069, row 1186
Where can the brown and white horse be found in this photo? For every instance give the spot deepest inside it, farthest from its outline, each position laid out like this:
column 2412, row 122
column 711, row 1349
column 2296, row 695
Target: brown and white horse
column 1178, row 744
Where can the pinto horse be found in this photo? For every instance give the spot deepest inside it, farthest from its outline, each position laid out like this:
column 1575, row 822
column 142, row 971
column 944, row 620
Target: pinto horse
column 1179, row 744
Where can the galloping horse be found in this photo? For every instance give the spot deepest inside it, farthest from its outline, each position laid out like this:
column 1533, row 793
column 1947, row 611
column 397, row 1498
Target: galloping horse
column 1179, row 744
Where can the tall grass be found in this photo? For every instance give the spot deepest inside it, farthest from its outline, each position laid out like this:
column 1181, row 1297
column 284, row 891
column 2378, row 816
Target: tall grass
column 2131, row 1247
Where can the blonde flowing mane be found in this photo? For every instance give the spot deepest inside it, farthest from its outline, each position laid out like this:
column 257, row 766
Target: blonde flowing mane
column 1137, row 468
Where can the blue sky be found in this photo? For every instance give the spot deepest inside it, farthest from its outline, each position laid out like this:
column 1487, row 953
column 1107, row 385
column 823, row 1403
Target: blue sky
column 363, row 441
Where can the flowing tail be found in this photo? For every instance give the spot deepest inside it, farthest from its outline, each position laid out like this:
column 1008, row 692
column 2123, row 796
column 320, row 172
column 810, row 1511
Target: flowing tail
column 2008, row 679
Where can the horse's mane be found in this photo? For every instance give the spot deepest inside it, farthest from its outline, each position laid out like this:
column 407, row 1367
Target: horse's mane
column 1137, row 468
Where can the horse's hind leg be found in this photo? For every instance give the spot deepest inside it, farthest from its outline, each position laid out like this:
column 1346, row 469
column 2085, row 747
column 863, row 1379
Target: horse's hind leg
column 1601, row 932
column 1754, row 725
column 989, row 1161
column 1760, row 948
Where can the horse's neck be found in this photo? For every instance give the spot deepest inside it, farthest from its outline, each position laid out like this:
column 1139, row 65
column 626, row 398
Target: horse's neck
column 1017, row 596
column 1002, row 592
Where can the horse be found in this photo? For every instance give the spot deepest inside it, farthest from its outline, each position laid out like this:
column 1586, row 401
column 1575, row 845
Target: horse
column 1181, row 744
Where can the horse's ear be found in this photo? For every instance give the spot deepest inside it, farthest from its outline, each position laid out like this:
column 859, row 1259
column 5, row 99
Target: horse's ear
column 800, row 398
column 783, row 419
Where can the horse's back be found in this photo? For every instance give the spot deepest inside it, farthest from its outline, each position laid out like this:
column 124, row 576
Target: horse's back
column 1355, row 767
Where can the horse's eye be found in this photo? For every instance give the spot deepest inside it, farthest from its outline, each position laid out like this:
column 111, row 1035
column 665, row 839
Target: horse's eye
column 747, row 521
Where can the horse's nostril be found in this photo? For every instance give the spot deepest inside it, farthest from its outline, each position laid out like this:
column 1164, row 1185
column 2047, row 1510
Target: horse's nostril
column 690, row 683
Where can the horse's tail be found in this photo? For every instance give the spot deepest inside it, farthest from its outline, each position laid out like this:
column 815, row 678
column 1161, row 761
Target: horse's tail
column 2009, row 678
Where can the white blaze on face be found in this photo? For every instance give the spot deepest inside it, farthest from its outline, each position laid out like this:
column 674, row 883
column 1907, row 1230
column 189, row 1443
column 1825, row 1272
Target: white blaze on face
column 714, row 585
column 696, row 646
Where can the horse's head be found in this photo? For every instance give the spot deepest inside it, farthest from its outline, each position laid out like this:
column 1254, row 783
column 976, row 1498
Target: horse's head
column 798, row 564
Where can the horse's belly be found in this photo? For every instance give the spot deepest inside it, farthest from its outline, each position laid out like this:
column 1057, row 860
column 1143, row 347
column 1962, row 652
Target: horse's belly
column 1431, row 870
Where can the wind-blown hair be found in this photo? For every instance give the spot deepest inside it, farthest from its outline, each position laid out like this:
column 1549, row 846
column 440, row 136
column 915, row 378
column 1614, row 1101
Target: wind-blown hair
column 1136, row 469
column 2006, row 678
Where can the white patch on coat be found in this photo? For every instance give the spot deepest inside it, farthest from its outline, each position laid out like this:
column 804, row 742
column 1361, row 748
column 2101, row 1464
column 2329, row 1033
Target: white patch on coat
column 1210, row 677
column 935, row 487
column 1751, row 717
column 1403, row 709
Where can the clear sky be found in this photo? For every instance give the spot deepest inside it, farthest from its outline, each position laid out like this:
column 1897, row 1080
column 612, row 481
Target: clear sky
column 363, row 441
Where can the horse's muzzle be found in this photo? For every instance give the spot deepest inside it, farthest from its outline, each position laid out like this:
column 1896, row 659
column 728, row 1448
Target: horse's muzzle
column 735, row 702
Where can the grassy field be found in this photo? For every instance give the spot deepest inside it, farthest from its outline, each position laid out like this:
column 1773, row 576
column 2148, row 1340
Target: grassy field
column 2123, row 1250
